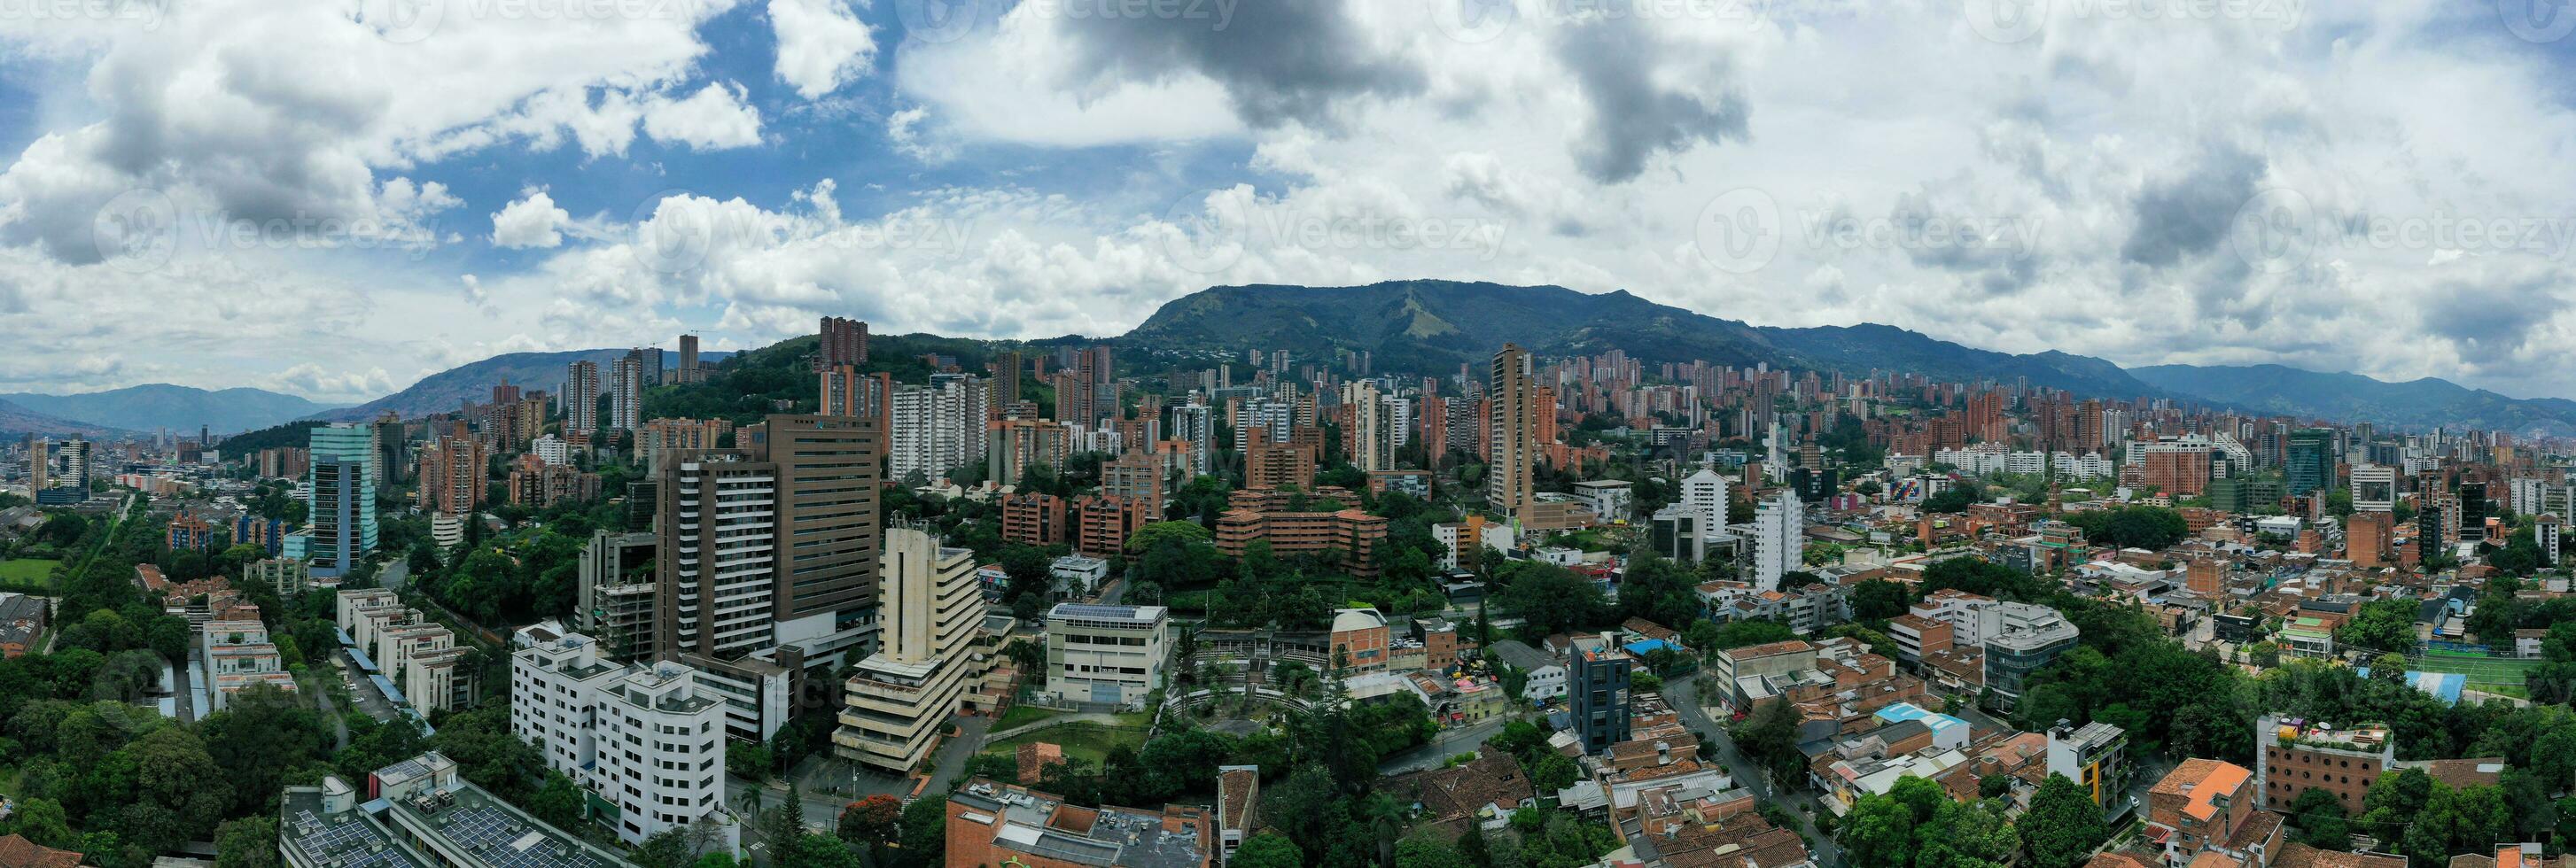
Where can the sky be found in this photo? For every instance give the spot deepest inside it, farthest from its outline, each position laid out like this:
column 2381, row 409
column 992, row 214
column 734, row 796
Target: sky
column 334, row 198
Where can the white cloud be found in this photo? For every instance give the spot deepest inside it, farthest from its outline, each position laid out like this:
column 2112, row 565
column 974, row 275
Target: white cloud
column 822, row 45
column 714, row 118
column 533, row 221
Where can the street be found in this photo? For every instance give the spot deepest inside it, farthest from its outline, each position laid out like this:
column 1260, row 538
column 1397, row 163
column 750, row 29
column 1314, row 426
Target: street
column 1447, row 744
column 1683, row 695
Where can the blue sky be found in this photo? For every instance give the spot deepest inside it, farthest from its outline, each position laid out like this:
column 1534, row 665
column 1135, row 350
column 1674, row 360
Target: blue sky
column 336, row 198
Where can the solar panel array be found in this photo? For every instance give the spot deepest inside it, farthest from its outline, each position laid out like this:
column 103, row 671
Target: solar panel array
column 492, row 834
column 350, row 845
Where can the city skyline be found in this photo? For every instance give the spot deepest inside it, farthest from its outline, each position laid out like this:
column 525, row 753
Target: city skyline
column 2079, row 181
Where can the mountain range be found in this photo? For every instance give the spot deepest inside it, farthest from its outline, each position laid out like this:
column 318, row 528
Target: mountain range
column 16, row 420
column 1434, row 327
column 2411, row 405
column 156, row 406
column 451, row 388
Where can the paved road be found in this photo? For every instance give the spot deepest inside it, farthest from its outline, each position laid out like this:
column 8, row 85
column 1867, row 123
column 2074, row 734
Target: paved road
column 1683, row 694
column 1443, row 746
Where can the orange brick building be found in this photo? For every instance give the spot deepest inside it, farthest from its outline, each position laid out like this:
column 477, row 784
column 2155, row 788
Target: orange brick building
column 1033, row 519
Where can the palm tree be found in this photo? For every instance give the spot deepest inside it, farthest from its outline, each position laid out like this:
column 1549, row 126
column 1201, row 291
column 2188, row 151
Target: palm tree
column 1386, row 822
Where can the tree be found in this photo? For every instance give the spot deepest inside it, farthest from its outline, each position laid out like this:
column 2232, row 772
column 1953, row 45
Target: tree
column 2062, row 826
column 2320, row 820
column 817, row 851
column 1267, row 850
column 1426, row 851
column 1551, row 600
column 249, row 842
column 873, row 820
column 2383, row 625
column 557, row 802
column 1553, row 772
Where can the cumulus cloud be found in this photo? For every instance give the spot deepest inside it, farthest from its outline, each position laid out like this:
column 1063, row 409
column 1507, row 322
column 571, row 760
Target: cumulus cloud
column 713, row 118
column 533, row 221
column 822, row 44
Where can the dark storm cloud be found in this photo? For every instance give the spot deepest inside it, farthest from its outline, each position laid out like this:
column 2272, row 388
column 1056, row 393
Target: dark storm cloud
column 1279, row 60
column 2189, row 215
column 1633, row 118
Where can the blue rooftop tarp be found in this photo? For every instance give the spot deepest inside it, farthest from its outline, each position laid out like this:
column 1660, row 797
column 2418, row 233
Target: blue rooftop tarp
column 1641, row 646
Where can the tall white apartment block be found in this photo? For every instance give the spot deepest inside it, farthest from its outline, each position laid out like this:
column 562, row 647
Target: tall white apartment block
column 1704, row 492
column 1196, row 423
column 647, row 738
column 2374, row 488
column 930, row 607
column 939, row 427
column 1779, row 539
column 724, row 584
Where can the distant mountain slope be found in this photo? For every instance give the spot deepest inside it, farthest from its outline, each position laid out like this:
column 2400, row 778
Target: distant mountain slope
column 156, row 406
column 446, row 390
column 1435, row 325
column 16, row 420
column 2415, row 404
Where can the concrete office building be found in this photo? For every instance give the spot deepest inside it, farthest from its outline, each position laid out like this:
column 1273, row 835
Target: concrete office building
column 420, row 813
column 647, row 739
column 1109, row 655
column 2021, row 639
column 903, row 694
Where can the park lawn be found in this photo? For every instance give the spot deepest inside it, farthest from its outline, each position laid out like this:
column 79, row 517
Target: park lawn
column 1023, row 715
column 1090, row 742
column 28, row 571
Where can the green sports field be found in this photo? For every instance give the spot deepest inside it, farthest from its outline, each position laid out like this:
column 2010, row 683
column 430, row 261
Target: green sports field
column 2479, row 669
column 28, row 571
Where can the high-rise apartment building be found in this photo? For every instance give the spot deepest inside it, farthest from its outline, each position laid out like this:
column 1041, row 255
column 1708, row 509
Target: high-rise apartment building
column 1007, row 369
column 1012, row 445
column 1194, row 423
column 845, row 342
column 453, row 473
column 1779, row 539
column 1137, row 476
column 626, row 392
column 1270, row 464
column 1515, row 446
column 343, row 510
column 902, row 695
column 689, row 371
column 1704, row 492
column 939, row 427
column 770, row 546
column 1374, row 430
